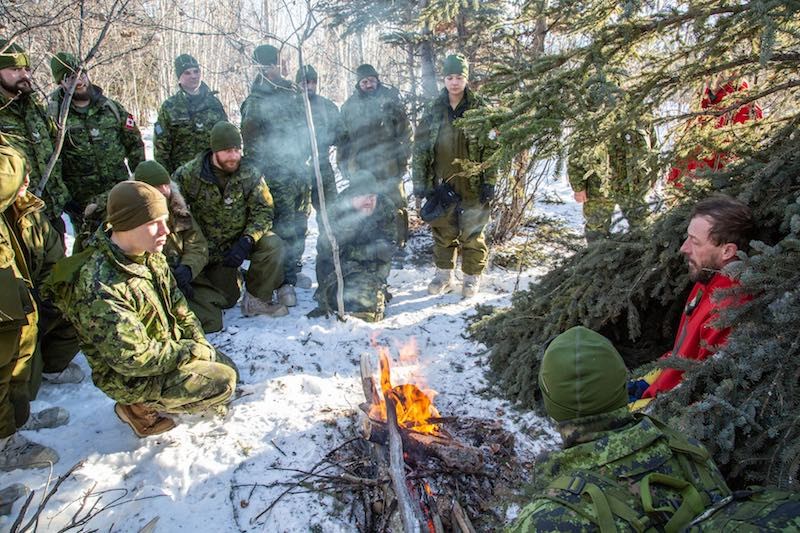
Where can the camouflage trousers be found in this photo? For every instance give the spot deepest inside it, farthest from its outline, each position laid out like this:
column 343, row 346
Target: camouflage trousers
column 599, row 208
column 18, row 352
column 393, row 188
column 461, row 227
column 292, row 197
column 218, row 287
column 364, row 293
column 195, row 386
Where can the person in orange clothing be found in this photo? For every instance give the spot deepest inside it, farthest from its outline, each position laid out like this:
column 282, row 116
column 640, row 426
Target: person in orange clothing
column 719, row 227
column 716, row 95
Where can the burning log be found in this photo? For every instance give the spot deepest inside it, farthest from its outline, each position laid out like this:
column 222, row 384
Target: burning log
column 410, row 513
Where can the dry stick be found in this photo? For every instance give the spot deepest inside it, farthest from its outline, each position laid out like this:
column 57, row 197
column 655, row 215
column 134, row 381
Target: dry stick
column 461, row 518
column 410, row 513
column 35, row 518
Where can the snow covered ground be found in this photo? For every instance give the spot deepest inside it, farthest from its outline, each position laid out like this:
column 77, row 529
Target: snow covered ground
column 299, row 381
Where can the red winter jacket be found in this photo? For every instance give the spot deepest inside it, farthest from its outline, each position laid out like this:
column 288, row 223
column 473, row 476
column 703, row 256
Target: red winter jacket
column 696, row 338
column 717, row 161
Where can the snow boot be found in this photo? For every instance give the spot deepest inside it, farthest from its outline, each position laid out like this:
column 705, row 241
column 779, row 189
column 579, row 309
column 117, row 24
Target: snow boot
column 9, row 495
column 71, row 374
column 303, row 281
column 143, row 420
column 287, row 296
column 252, row 306
column 472, row 284
column 442, row 282
column 18, row 452
column 52, row 417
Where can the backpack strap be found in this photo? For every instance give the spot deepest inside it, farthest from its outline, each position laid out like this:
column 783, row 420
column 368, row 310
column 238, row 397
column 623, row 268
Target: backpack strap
column 692, row 503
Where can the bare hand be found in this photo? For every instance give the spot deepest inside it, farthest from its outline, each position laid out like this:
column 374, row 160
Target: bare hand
column 580, row 196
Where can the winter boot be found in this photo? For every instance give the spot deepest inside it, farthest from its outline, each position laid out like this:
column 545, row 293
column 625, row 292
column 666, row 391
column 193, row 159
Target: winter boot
column 286, row 295
column 143, row 420
column 442, row 282
column 71, row 374
column 52, row 417
column 472, row 284
column 303, row 281
column 18, row 452
column 252, row 306
column 9, row 495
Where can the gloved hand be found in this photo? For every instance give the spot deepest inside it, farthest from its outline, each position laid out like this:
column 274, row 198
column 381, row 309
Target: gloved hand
column 183, row 277
column 239, row 252
column 636, row 388
column 487, row 193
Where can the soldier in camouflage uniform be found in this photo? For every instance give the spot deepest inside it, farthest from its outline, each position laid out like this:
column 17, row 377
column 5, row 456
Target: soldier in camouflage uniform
column 326, row 121
column 617, row 469
column 146, row 348
column 186, row 118
column 100, row 136
column 362, row 220
column 27, row 127
column 18, row 329
column 375, row 135
column 234, row 209
column 276, row 142
column 619, row 171
column 438, row 143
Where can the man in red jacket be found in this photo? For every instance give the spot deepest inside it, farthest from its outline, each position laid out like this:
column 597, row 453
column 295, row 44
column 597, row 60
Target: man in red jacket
column 719, row 227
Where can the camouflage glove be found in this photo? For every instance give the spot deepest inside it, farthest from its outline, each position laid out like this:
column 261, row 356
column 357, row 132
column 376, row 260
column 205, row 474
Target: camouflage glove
column 183, row 277
column 239, row 252
column 487, row 193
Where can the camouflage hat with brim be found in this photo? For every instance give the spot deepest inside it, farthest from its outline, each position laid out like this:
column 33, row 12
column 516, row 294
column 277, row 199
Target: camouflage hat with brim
column 582, row 374
column 12, row 174
column 151, row 173
column 133, row 203
column 266, row 55
column 13, row 56
column 183, row 63
column 62, row 65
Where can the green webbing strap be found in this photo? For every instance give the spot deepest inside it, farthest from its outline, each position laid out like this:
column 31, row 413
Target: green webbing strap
column 602, row 510
column 691, row 501
column 605, row 506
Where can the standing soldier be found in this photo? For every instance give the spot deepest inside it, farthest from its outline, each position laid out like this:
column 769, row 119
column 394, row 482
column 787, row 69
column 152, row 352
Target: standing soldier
column 18, row 329
column 99, row 136
column 234, row 209
column 26, row 126
column 276, row 142
column 186, row 118
column 437, row 145
column 146, row 348
column 326, row 120
column 375, row 136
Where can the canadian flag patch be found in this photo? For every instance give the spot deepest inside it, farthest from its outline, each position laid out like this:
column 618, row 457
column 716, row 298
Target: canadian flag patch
column 130, row 122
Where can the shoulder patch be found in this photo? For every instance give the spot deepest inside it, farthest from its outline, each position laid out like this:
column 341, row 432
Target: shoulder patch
column 130, row 122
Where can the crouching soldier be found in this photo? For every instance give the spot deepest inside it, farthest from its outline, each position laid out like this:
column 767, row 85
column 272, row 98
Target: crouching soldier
column 146, row 348
column 618, row 471
column 363, row 223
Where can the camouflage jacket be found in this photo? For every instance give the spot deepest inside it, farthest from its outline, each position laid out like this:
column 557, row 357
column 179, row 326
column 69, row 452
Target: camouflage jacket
column 245, row 207
column 274, row 130
column 26, row 126
column 624, row 447
column 41, row 242
column 374, row 134
column 185, row 245
column 97, row 141
column 326, row 121
column 184, row 126
column 426, row 150
column 133, row 323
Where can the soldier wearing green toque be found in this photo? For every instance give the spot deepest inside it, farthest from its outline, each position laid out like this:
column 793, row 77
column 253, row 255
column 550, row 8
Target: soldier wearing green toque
column 146, row 348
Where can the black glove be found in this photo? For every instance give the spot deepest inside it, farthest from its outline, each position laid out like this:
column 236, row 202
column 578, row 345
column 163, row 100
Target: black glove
column 487, row 193
column 239, row 252
column 183, row 277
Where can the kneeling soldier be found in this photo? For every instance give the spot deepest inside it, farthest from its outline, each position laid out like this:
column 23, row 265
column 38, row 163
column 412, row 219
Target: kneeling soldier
column 146, row 348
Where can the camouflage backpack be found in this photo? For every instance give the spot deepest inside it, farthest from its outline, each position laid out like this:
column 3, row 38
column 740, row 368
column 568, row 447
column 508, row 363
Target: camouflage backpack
column 750, row 511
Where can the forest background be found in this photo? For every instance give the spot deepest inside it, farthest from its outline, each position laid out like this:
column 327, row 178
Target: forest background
column 563, row 75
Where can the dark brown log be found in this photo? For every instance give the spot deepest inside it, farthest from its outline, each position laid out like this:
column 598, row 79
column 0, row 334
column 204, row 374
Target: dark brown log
column 410, row 513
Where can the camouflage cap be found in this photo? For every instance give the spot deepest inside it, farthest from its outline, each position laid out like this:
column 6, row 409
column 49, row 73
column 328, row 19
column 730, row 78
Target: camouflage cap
column 310, row 74
column 133, row 203
column 12, row 174
column 183, row 63
column 63, row 64
column 266, row 54
column 456, row 64
column 151, row 173
column 582, row 374
column 13, row 56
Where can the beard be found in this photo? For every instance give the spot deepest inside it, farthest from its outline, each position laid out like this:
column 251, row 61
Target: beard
column 82, row 95
column 20, row 87
column 229, row 166
column 701, row 273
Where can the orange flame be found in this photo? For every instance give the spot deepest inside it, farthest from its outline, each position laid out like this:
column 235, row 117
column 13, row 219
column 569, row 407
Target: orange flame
column 414, row 406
